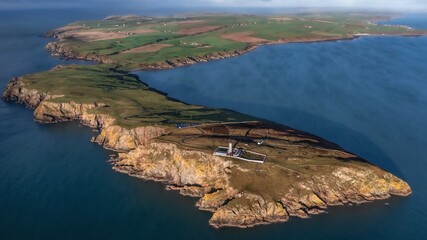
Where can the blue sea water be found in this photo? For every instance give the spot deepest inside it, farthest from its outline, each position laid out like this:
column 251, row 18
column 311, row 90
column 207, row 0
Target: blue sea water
column 368, row 95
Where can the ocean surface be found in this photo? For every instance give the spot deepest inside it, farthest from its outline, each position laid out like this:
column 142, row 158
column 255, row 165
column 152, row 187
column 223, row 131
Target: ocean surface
column 369, row 95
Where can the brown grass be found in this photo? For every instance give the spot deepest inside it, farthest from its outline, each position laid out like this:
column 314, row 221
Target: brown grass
column 69, row 28
column 282, row 19
column 322, row 21
column 92, row 36
column 148, row 48
column 281, row 144
column 244, row 37
column 141, row 31
column 190, row 22
column 197, row 30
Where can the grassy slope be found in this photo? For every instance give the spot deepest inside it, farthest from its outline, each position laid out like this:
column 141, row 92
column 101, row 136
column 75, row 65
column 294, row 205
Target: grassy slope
column 169, row 31
column 130, row 101
column 293, row 156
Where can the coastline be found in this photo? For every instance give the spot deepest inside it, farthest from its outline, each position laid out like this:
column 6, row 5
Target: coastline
column 197, row 173
column 208, row 177
column 58, row 50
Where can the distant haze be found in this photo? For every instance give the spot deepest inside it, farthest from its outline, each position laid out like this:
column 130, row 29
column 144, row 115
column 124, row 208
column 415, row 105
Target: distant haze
column 396, row 5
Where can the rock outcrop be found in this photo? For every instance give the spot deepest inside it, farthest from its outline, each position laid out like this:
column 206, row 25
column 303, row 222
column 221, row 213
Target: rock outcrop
column 16, row 91
column 202, row 175
column 120, row 139
column 181, row 62
column 63, row 50
column 192, row 172
column 48, row 110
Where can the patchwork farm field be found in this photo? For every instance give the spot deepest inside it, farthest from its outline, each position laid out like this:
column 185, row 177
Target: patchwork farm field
column 135, row 41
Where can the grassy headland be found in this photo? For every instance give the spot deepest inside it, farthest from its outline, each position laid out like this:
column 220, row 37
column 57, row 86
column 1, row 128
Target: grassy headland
column 129, row 101
column 119, row 39
column 303, row 173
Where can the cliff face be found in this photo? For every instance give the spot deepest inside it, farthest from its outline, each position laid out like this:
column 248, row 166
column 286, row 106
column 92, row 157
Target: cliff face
column 311, row 196
column 192, row 172
column 120, row 139
column 238, row 193
column 61, row 49
column 180, row 62
column 211, row 178
column 47, row 111
column 16, row 91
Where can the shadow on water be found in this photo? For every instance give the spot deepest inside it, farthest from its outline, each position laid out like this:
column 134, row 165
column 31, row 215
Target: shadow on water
column 348, row 139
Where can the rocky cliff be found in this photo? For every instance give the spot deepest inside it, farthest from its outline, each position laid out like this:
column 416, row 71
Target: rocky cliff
column 62, row 49
column 238, row 193
column 47, row 110
column 211, row 178
column 181, row 62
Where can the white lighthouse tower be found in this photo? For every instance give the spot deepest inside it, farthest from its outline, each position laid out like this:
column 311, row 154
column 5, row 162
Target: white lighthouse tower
column 230, row 149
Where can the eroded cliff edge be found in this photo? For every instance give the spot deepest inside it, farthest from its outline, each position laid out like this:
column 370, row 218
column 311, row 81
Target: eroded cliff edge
column 303, row 174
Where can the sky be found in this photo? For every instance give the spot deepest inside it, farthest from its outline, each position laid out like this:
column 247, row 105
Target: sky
column 413, row 5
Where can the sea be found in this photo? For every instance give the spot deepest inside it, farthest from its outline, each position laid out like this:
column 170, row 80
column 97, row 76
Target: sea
column 369, row 95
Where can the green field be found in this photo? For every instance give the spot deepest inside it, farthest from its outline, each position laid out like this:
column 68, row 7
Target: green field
column 187, row 35
column 127, row 99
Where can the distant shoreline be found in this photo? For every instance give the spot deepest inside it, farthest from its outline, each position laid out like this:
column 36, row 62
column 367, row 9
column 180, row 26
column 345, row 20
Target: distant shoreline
column 125, row 40
column 57, row 51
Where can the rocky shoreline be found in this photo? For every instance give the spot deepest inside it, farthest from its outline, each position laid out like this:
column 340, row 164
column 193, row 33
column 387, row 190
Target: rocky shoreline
column 200, row 174
column 59, row 49
column 62, row 50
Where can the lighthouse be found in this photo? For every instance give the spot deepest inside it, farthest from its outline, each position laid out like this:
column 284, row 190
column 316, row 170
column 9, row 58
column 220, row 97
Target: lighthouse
column 230, row 149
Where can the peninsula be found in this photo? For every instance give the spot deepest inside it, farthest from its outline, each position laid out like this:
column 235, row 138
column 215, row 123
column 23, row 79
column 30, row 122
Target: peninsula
column 162, row 139
column 138, row 43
